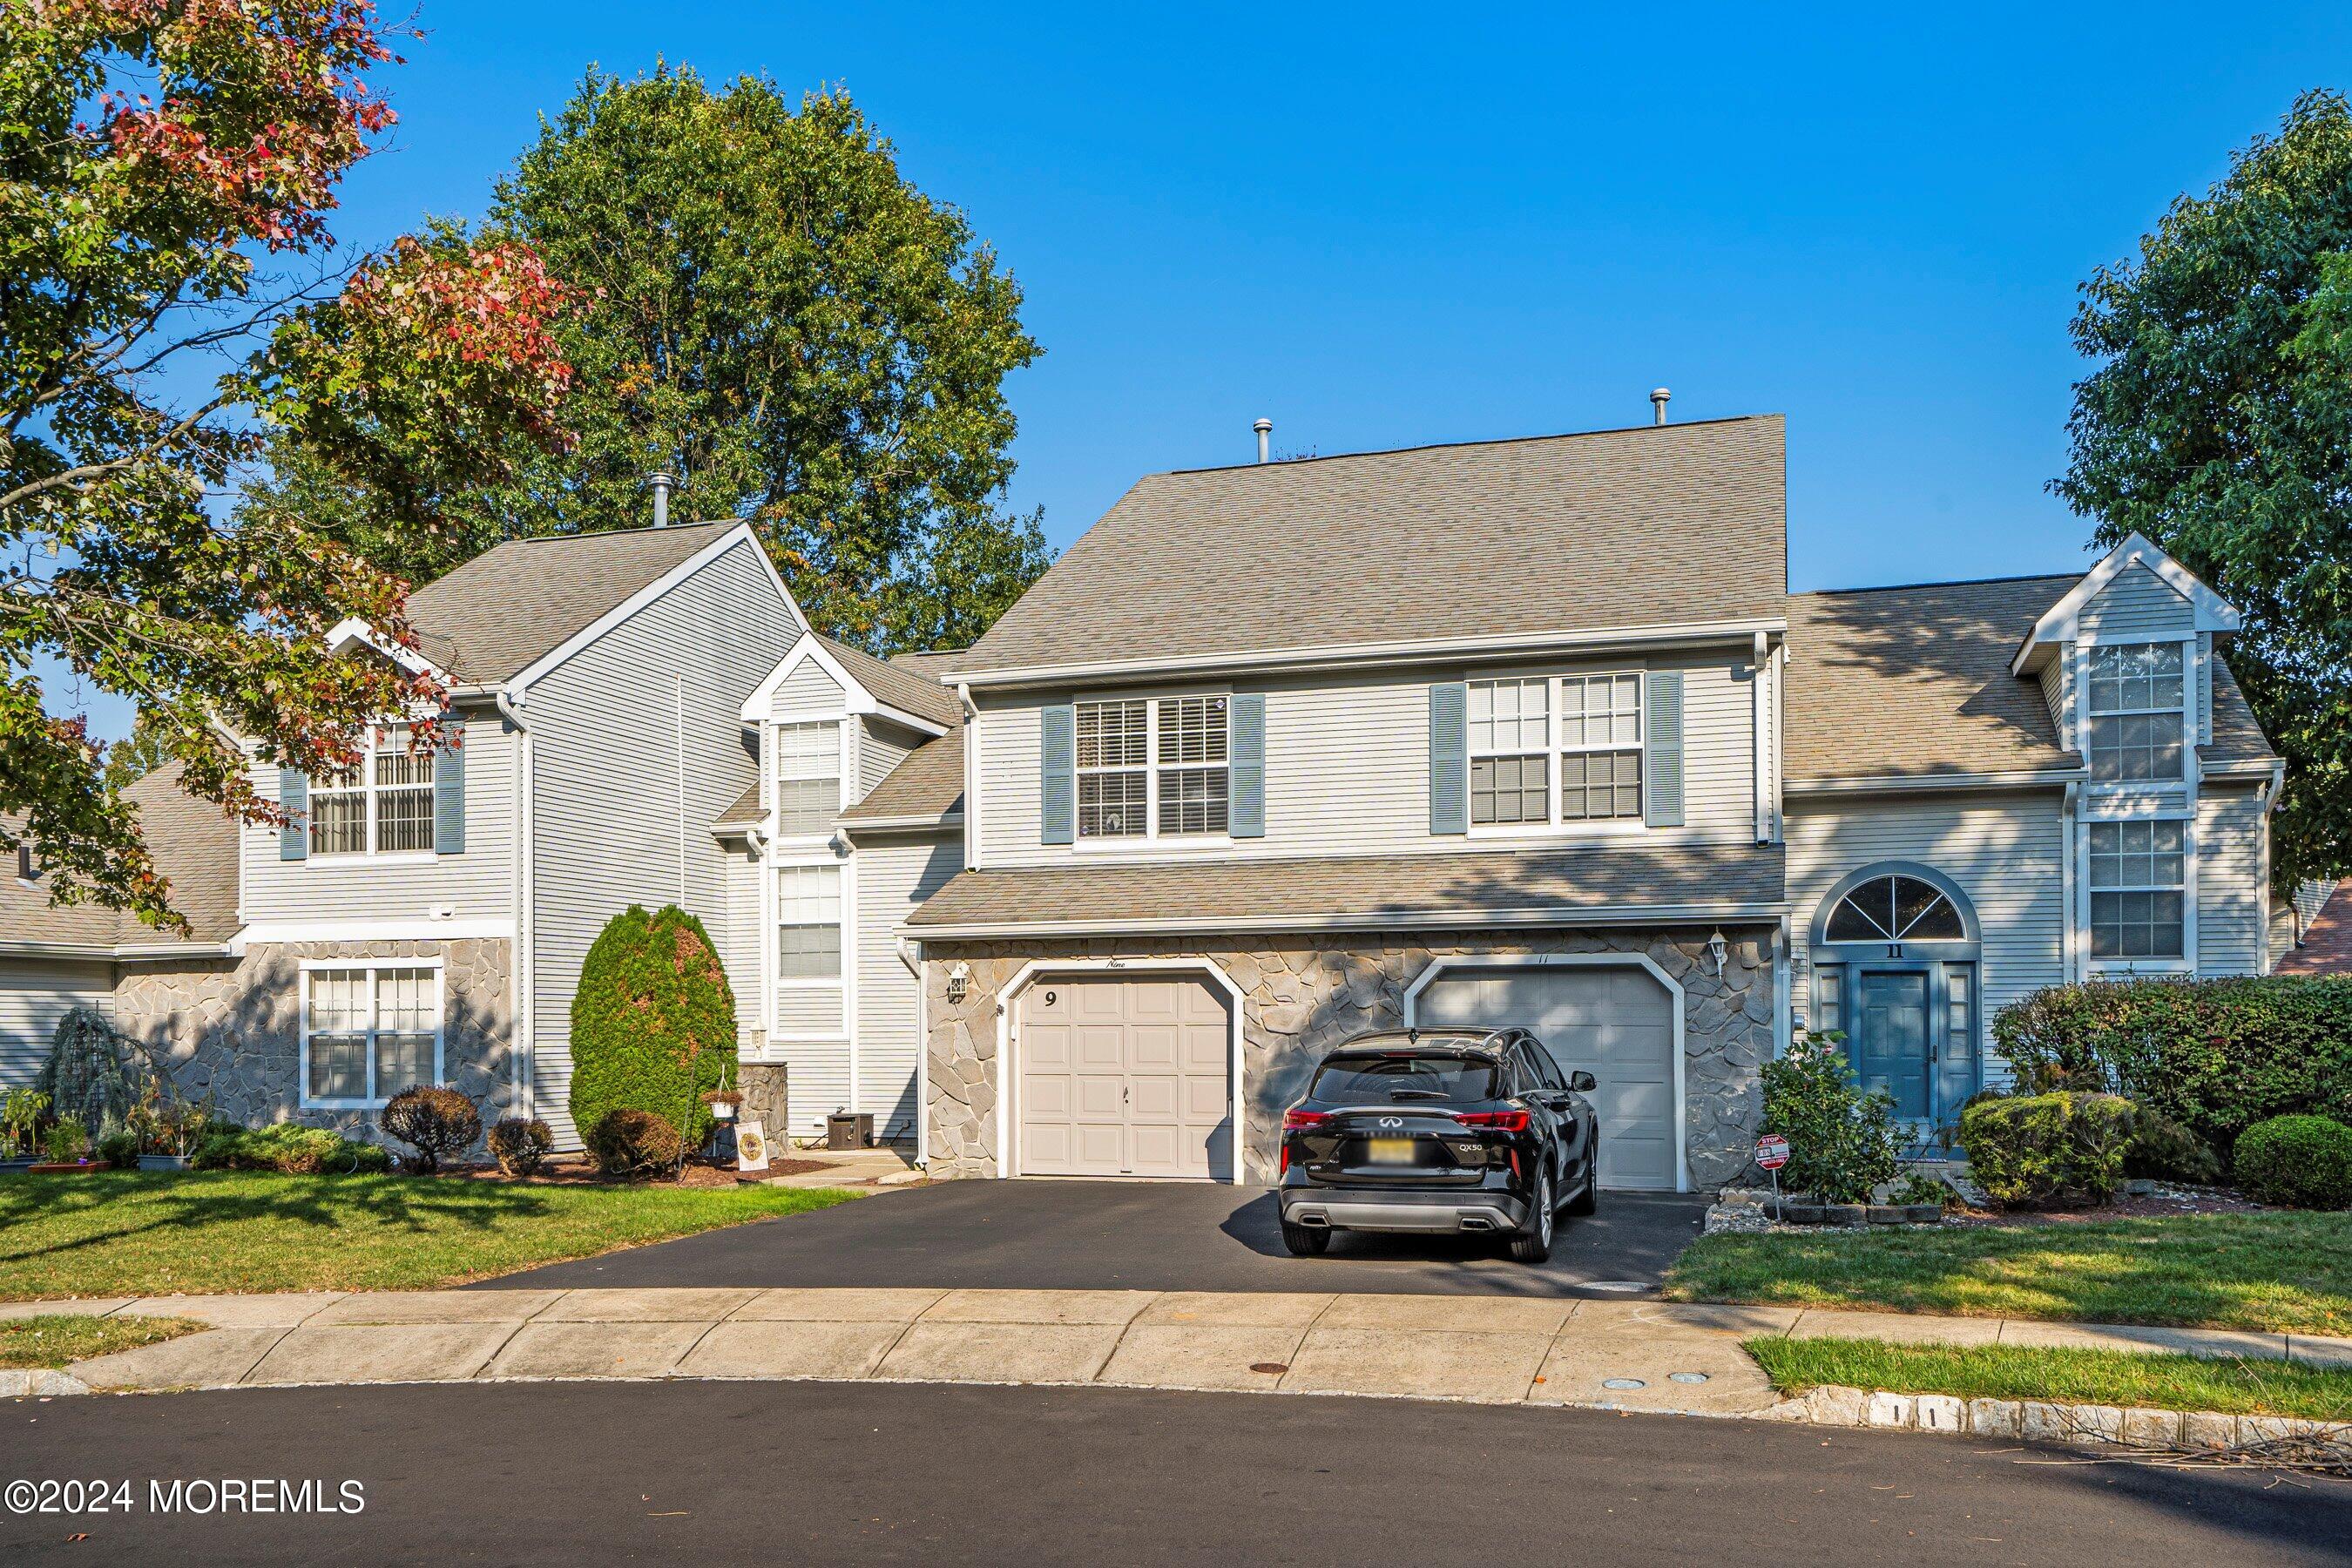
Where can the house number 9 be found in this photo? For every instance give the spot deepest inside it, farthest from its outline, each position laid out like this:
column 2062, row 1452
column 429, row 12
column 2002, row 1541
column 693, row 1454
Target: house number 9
column 1049, row 997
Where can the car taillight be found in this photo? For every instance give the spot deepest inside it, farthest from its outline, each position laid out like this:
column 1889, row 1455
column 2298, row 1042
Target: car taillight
column 1500, row 1121
column 1299, row 1121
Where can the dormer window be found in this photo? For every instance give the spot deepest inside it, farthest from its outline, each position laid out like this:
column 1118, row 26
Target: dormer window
column 381, row 804
column 808, row 779
column 2136, row 697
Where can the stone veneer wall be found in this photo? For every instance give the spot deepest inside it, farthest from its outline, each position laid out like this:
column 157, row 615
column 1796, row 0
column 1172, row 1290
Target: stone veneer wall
column 228, row 1028
column 1303, row 995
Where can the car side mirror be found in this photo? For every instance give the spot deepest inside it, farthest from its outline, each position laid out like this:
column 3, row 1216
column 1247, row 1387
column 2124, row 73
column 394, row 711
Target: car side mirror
column 1582, row 1083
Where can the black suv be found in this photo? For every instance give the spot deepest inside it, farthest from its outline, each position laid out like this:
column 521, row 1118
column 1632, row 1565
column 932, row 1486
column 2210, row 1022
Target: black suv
column 1460, row 1131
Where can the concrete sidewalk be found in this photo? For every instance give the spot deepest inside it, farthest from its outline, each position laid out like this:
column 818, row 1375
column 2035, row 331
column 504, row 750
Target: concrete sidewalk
column 1629, row 1355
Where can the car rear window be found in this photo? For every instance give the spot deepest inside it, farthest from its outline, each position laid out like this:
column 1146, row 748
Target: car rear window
column 1379, row 1080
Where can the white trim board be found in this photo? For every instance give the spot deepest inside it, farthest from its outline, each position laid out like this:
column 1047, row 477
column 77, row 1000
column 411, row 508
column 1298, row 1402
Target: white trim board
column 1438, row 967
column 486, row 927
column 857, row 697
column 2059, row 623
column 1894, row 784
column 1008, row 1075
column 1620, row 914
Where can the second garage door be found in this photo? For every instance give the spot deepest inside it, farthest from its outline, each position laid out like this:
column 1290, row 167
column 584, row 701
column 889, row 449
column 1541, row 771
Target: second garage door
column 1123, row 1076
column 1613, row 1021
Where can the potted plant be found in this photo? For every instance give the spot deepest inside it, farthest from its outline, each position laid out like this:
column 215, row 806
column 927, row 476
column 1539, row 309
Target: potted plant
column 20, row 1117
column 64, row 1144
column 179, row 1126
column 723, row 1103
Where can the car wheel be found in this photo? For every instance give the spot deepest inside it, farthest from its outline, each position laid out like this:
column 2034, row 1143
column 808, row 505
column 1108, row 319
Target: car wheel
column 1306, row 1241
column 1533, row 1244
column 1585, row 1202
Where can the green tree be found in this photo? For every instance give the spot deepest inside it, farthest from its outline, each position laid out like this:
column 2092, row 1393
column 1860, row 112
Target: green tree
column 2219, row 424
column 778, row 316
column 168, row 294
column 653, row 1023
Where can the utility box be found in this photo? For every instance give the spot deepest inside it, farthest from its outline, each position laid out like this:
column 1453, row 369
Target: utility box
column 844, row 1130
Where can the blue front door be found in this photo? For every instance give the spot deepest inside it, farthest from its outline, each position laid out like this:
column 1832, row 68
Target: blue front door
column 1890, row 1047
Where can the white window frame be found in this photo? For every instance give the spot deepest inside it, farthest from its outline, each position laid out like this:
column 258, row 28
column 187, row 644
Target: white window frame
column 775, row 776
column 2180, row 963
column 371, row 794
column 1153, row 832
column 2185, row 714
column 369, row 967
column 843, row 983
column 1555, row 826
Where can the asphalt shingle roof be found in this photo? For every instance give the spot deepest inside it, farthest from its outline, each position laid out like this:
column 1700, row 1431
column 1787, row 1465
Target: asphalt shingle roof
column 1381, row 891
column 1658, row 525
column 905, row 690
column 195, row 846
column 928, row 783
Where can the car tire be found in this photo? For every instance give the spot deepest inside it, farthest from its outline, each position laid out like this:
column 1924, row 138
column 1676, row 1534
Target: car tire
column 1533, row 1242
column 1585, row 1202
column 1306, row 1241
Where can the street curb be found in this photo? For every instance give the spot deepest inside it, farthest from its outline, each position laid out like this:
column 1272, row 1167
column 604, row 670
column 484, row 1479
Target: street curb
column 2035, row 1420
column 40, row 1382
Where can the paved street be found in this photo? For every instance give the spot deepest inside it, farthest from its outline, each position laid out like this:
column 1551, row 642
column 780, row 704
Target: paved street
column 844, row 1473
column 1132, row 1236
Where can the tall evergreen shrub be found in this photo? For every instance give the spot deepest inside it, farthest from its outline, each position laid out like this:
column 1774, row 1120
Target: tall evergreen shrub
column 653, row 1023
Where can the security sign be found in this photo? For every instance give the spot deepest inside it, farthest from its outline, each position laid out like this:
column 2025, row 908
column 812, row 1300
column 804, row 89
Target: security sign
column 1771, row 1152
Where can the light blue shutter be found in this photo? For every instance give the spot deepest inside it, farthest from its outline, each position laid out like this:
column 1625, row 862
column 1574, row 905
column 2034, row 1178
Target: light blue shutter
column 1057, row 748
column 1246, row 754
column 294, row 799
column 450, row 794
column 1449, row 757
column 1661, row 752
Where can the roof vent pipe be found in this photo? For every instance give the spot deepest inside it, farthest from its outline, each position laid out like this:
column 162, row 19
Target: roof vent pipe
column 1265, row 428
column 662, row 484
column 1658, row 397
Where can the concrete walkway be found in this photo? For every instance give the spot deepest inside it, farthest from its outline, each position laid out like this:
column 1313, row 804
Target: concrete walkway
column 1631, row 1355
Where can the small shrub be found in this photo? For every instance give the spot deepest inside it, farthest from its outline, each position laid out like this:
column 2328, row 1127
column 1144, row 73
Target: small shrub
column 2161, row 1149
column 2301, row 1161
column 120, row 1150
column 64, row 1142
column 20, row 1119
column 653, row 1023
column 290, row 1149
column 1842, row 1143
column 1915, row 1188
column 629, row 1142
column 2048, row 1151
column 519, row 1146
column 436, row 1122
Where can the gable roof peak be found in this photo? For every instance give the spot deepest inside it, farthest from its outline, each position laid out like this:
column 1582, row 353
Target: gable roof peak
column 2059, row 623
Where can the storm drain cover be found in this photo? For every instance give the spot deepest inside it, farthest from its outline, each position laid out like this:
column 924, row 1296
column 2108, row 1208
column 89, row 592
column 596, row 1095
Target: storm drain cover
column 1616, row 1285
column 1687, row 1376
column 1622, row 1383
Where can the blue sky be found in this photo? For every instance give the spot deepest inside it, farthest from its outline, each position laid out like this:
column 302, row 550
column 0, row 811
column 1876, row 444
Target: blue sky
column 1388, row 225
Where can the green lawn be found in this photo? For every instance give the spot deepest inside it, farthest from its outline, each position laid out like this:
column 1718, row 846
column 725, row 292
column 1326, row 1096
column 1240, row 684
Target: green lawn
column 47, row 1342
column 124, row 1234
column 2239, row 1387
column 2263, row 1271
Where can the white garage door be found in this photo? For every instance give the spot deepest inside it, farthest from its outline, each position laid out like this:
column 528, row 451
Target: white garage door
column 1613, row 1021
column 1123, row 1076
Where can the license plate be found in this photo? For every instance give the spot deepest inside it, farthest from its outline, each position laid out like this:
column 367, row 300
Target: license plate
column 1392, row 1151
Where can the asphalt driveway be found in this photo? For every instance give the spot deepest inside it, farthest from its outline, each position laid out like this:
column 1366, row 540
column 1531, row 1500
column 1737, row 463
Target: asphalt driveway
column 1141, row 1236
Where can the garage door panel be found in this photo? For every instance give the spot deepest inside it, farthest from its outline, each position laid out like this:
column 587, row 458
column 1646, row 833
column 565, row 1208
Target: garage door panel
column 1124, row 1076
column 1613, row 1021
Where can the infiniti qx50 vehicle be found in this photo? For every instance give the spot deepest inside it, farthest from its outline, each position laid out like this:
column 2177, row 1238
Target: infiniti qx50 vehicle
column 1454, row 1130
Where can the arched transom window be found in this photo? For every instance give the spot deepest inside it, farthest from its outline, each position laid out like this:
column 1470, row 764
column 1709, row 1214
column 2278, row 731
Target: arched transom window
column 1896, row 908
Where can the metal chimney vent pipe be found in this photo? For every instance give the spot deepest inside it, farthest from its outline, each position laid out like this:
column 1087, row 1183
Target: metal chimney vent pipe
column 662, row 483
column 1658, row 397
column 1265, row 428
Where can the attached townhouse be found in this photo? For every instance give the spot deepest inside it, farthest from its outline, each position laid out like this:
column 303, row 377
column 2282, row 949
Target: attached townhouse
column 1527, row 731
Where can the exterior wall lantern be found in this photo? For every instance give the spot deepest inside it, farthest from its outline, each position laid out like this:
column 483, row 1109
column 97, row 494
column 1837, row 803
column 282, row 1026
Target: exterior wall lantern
column 959, row 982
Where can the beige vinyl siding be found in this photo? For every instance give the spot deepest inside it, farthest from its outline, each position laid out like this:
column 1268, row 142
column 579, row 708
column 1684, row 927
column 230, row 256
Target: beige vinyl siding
column 2004, row 852
column 807, row 692
column 609, row 827
column 478, row 884
column 2137, row 606
column 35, row 993
column 2054, row 692
column 894, row 877
column 816, row 1065
column 2231, row 898
column 881, row 746
column 740, row 946
column 1347, row 766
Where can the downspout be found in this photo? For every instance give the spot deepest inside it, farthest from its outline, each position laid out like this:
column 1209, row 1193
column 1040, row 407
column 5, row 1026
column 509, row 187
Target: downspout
column 2069, row 956
column 525, row 1091
column 970, row 771
column 911, row 953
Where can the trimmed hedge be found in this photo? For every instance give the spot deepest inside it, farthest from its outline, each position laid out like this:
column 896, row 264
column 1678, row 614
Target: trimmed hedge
column 520, row 1146
column 2048, row 1151
column 2300, row 1162
column 653, row 1023
column 293, row 1148
column 2216, row 1056
column 626, row 1143
column 436, row 1122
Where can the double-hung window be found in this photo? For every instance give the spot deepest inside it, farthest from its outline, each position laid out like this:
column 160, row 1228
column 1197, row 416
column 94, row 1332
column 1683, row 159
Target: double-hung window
column 382, row 804
column 2138, row 888
column 1154, row 767
column 2137, row 718
column 808, row 922
column 808, row 779
column 368, row 1031
column 1556, row 749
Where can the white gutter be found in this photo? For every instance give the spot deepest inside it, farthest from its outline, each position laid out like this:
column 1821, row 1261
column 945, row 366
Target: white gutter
column 1339, row 656
column 105, row 951
column 970, row 775
column 1616, row 914
column 861, row 824
column 2026, row 778
column 523, row 1008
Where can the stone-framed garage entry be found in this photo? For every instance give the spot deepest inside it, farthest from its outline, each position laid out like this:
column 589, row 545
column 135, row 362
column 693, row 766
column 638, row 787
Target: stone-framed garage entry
column 1303, row 995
